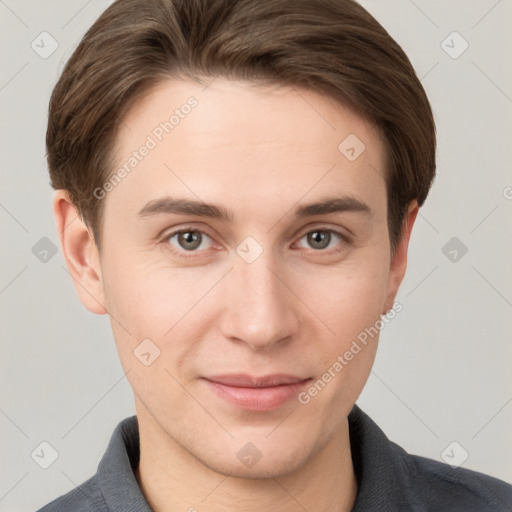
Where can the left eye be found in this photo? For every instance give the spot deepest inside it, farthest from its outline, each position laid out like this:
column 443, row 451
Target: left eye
column 321, row 238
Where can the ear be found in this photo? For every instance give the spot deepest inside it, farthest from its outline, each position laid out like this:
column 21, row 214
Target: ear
column 80, row 253
column 398, row 262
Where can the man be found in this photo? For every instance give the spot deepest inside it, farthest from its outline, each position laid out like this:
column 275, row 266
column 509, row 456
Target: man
column 237, row 182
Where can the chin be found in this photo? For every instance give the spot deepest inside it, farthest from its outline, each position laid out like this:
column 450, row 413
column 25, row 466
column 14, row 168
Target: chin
column 271, row 460
column 262, row 470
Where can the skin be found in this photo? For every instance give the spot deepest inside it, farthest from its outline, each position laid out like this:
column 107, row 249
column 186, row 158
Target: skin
column 258, row 152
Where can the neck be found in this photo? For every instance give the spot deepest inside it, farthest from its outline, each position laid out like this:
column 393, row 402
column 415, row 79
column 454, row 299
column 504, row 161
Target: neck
column 172, row 479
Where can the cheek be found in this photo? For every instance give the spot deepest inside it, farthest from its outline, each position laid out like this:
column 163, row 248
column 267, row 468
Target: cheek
column 350, row 298
column 151, row 296
column 349, row 301
column 152, row 301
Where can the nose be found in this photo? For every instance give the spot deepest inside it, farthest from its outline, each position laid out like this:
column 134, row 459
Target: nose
column 260, row 308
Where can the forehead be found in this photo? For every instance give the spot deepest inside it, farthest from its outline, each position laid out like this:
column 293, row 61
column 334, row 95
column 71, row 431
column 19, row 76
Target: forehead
column 235, row 141
column 266, row 112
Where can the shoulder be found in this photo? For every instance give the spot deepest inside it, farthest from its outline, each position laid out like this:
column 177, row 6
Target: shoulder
column 391, row 479
column 87, row 497
column 114, row 486
column 434, row 485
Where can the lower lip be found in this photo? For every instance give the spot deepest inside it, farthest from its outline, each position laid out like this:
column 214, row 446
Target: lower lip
column 257, row 399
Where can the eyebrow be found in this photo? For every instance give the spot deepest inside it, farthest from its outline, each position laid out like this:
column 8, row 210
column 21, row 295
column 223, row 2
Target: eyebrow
column 169, row 205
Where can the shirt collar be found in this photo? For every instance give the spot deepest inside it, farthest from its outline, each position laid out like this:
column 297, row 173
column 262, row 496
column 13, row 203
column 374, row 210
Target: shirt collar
column 116, row 470
column 379, row 465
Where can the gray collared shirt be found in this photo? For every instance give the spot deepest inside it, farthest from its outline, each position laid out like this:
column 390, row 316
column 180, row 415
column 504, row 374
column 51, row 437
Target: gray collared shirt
column 389, row 479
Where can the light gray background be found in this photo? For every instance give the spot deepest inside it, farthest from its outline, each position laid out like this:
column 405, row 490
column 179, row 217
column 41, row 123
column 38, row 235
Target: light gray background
column 442, row 372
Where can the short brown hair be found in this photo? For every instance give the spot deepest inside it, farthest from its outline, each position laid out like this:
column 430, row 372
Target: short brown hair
column 332, row 46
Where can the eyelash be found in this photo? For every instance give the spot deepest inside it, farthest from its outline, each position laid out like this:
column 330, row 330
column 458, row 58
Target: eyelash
column 193, row 254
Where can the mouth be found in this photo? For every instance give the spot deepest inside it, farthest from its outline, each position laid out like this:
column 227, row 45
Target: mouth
column 256, row 393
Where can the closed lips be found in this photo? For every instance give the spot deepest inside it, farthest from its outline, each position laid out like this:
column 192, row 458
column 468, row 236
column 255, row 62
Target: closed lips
column 249, row 381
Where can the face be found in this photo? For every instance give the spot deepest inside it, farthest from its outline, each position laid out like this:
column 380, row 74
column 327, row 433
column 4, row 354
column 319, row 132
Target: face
column 236, row 321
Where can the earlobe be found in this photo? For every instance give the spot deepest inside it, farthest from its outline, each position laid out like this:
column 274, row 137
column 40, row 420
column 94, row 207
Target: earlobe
column 80, row 253
column 398, row 263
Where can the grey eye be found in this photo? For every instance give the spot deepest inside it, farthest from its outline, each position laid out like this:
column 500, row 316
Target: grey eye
column 188, row 240
column 320, row 239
